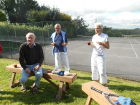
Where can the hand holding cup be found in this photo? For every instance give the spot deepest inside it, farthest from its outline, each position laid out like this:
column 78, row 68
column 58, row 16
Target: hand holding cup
column 89, row 43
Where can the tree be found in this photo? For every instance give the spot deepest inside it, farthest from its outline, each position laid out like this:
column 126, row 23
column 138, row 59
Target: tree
column 16, row 9
column 37, row 16
column 23, row 6
column 8, row 6
column 2, row 16
column 45, row 8
column 47, row 14
column 80, row 26
column 63, row 17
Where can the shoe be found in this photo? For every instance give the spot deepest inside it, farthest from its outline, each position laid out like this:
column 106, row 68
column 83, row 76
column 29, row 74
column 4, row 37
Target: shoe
column 23, row 88
column 66, row 73
column 105, row 85
column 35, row 90
column 33, row 85
column 56, row 71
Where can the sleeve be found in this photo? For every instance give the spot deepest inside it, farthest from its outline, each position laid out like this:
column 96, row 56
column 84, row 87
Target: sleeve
column 106, row 38
column 22, row 57
column 41, row 58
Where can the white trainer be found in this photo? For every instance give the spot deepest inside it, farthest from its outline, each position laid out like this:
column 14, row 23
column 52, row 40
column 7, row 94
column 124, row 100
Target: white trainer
column 66, row 73
column 55, row 71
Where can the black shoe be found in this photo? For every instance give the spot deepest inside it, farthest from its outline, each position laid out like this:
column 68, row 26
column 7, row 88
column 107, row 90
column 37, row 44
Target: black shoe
column 35, row 90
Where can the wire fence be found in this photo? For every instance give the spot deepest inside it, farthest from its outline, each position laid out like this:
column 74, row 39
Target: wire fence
column 12, row 35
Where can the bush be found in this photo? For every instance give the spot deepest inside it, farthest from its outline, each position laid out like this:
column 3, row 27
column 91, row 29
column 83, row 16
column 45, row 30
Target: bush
column 2, row 16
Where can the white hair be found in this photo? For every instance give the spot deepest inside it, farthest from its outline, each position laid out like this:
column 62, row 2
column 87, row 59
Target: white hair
column 30, row 34
column 57, row 25
column 98, row 25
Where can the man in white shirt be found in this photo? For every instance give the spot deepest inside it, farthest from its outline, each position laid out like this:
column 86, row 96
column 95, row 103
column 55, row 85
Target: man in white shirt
column 99, row 43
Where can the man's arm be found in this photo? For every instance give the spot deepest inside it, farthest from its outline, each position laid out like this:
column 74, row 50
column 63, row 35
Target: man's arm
column 21, row 57
column 104, row 44
column 66, row 41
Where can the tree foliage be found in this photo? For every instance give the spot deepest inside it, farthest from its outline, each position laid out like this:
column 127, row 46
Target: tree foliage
column 47, row 15
column 28, row 11
column 16, row 9
column 2, row 16
column 80, row 26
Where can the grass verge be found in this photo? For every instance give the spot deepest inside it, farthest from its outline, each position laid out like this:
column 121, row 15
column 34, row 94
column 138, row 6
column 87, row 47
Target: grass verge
column 75, row 96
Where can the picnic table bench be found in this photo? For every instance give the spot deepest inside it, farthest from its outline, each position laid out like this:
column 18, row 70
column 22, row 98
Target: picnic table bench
column 64, row 81
column 95, row 96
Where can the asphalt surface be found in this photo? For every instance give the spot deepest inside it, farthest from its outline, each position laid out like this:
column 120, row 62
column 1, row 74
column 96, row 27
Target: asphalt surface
column 122, row 59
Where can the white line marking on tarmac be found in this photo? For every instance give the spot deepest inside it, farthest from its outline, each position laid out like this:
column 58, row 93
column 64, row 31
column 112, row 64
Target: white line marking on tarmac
column 133, row 48
column 120, row 56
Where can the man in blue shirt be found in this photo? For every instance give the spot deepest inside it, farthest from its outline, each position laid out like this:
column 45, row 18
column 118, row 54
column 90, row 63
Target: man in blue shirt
column 59, row 43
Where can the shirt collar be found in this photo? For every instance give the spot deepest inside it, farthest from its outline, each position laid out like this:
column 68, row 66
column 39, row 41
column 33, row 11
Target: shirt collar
column 59, row 33
column 34, row 44
column 99, row 34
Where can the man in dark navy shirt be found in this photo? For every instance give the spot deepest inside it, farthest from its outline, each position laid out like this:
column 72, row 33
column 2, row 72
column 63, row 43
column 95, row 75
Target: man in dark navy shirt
column 59, row 43
column 31, row 58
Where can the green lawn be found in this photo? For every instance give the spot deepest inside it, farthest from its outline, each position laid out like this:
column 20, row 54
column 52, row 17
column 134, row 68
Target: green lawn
column 75, row 96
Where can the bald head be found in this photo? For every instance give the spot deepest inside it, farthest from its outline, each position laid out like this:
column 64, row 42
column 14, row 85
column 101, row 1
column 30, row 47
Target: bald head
column 57, row 28
column 57, row 25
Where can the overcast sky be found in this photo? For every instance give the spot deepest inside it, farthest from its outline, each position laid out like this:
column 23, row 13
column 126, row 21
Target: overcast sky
column 112, row 13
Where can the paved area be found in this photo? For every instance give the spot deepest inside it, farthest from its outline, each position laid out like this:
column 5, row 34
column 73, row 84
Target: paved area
column 122, row 59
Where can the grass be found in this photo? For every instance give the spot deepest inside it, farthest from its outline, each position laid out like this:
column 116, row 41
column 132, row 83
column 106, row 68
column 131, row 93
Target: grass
column 75, row 96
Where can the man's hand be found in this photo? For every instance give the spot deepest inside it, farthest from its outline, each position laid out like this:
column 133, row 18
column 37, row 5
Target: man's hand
column 64, row 44
column 27, row 70
column 53, row 43
column 37, row 67
column 90, row 44
column 100, row 43
column 104, row 44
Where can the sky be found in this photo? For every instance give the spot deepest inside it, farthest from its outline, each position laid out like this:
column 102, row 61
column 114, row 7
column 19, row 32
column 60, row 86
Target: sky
column 111, row 13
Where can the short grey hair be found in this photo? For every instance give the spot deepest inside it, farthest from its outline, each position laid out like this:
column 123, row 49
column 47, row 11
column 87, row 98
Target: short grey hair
column 57, row 25
column 30, row 34
column 98, row 25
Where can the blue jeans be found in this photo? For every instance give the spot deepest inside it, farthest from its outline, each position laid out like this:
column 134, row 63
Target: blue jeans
column 25, row 75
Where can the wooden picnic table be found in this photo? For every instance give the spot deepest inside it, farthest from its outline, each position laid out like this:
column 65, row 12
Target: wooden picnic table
column 95, row 96
column 63, row 85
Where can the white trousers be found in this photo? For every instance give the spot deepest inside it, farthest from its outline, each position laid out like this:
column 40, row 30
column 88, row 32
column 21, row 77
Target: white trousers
column 61, row 60
column 98, row 69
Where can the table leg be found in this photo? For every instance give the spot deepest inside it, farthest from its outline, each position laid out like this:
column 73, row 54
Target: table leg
column 60, row 90
column 67, row 86
column 89, row 100
column 12, row 79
